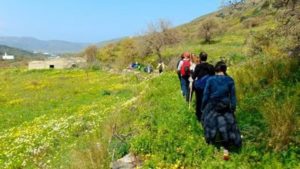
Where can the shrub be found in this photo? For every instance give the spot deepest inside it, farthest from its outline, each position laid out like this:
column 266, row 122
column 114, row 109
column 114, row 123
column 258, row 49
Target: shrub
column 242, row 18
column 251, row 22
column 259, row 73
column 173, row 63
column 281, row 121
column 257, row 42
column 221, row 15
column 209, row 28
column 95, row 156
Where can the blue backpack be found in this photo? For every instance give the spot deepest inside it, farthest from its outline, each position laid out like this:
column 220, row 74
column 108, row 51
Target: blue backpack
column 200, row 83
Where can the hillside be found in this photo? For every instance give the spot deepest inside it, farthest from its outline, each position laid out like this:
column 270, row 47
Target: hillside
column 19, row 53
column 234, row 37
column 33, row 44
column 50, row 46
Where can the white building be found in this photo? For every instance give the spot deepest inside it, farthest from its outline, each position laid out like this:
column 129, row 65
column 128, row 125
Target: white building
column 8, row 57
column 58, row 63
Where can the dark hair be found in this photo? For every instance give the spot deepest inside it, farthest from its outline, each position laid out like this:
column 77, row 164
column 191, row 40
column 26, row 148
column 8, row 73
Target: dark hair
column 203, row 56
column 181, row 56
column 221, row 67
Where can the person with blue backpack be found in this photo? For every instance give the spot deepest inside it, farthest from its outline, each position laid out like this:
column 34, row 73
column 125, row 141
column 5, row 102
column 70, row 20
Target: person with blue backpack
column 201, row 74
column 184, row 70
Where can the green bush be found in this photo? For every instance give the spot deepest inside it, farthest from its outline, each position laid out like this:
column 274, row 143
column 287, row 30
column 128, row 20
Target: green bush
column 281, row 121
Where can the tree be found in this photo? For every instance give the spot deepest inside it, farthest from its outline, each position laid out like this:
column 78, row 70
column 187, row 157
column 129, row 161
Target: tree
column 233, row 4
column 208, row 29
column 160, row 35
column 107, row 54
column 143, row 49
column 128, row 51
column 90, row 54
column 289, row 28
column 285, row 3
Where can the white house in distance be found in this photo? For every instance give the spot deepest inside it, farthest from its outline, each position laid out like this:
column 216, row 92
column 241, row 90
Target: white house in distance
column 8, row 57
column 58, row 63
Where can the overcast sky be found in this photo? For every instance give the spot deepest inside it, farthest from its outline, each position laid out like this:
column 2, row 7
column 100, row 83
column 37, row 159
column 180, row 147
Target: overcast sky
column 94, row 20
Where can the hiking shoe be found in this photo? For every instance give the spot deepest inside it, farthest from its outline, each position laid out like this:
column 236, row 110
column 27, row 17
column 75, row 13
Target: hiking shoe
column 226, row 155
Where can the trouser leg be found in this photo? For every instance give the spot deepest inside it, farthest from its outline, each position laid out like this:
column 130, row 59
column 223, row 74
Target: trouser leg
column 183, row 86
column 187, row 88
column 199, row 95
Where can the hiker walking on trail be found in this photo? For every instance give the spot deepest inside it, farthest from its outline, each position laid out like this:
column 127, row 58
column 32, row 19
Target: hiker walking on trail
column 161, row 67
column 200, row 75
column 178, row 72
column 219, row 104
column 148, row 69
column 184, row 69
column 194, row 62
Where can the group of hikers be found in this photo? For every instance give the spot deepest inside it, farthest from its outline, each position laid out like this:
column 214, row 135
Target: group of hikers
column 215, row 99
column 148, row 68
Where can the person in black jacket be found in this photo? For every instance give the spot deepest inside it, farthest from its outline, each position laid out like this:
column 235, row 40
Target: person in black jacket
column 201, row 70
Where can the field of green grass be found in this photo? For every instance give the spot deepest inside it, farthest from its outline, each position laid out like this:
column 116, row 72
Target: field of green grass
column 71, row 119
column 161, row 130
column 44, row 113
column 169, row 135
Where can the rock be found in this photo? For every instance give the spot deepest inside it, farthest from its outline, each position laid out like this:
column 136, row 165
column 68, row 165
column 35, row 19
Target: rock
column 127, row 162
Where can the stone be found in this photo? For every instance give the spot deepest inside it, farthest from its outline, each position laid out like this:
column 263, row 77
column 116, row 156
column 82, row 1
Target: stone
column 127, row 162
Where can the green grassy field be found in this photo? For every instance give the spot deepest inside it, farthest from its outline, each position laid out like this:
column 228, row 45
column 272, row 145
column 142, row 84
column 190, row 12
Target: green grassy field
column 163, row 132
column 172, row 138
column 56, row 119
column 44, row 113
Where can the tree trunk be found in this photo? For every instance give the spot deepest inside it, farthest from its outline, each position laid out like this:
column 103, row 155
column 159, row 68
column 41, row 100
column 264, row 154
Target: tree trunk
column 207, row 37
column 159, row 54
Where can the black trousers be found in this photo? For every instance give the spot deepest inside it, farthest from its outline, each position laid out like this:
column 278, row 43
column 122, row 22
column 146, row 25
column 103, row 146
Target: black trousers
column 199, row 96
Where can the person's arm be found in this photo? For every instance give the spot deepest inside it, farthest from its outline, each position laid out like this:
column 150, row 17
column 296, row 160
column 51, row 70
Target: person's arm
column 179, row 65
column 196, row 72
column 211, row 70
column 232, row 96
column 206, row 94
column 192, row 70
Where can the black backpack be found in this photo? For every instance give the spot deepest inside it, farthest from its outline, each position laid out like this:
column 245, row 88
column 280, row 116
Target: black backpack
column 160, row 68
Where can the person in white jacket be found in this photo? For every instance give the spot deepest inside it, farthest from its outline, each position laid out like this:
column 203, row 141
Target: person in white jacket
column 194, row 62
